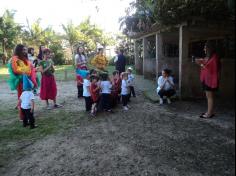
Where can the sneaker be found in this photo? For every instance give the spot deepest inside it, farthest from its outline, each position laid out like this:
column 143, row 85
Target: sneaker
column 57, row 106
column 161, row 101
column 125, row 108
column 48, row 107
column 34, row 126
column 168, row 101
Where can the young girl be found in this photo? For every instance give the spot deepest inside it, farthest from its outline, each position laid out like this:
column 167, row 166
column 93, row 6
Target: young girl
column 116, row 82
column 106, row 92
column 87, row 93
column 79, row 85
column 125, row 90
column 94, row 89
column 48, row 90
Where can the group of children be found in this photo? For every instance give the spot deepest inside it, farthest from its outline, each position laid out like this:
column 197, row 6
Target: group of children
column 102, row 92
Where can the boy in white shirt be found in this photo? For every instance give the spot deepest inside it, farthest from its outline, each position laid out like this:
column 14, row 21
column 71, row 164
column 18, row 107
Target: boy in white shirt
column 26, row 102
column 125, row 90
column 86, row 93
column 106, row 92
column 131, row 82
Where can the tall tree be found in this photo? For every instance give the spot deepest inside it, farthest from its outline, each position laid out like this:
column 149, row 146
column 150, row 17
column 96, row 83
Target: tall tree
column 9, row 30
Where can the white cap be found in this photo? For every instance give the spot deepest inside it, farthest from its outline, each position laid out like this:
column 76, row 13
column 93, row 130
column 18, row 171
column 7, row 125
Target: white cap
column 130, row 68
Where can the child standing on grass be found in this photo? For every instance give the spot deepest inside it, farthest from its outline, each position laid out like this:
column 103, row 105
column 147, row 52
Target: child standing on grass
column 125, row 90
column 26, row 102
column 79, row 85
column 116, row 82
column 86, row 93
column 131, row 82
column 94, row 89
column 106, row 92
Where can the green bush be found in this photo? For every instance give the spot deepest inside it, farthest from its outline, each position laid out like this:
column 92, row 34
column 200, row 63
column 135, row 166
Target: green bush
column 59, row 57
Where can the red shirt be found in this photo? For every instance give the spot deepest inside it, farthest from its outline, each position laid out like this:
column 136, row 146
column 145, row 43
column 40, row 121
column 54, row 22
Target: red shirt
column 79, row 80
column 210, row 73
column 94, row 92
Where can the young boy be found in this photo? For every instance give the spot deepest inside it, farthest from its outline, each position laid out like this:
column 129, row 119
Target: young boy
column 26, row 102
column 125, row 90
column 79, row 85
column 131, row 82
column 86, row 93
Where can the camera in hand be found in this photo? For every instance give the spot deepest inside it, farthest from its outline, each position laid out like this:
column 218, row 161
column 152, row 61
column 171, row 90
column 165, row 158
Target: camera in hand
column 193, row 58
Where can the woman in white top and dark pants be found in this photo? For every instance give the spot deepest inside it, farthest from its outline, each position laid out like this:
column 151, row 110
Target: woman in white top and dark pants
column 166, row 86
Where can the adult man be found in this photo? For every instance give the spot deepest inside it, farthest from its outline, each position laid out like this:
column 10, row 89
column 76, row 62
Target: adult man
column 121, row 61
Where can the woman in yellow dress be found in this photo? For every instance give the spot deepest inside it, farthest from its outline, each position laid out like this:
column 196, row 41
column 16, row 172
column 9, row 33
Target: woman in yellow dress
column 100, row 61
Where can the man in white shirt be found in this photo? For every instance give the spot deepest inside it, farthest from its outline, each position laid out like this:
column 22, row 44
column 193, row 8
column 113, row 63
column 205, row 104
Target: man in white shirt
column 166, row 86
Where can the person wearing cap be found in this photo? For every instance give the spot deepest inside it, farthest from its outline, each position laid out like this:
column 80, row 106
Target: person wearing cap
column 100, row 61
column 121, row 62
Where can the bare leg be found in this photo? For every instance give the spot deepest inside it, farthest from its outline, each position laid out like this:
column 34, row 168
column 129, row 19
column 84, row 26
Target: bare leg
column 210, row 102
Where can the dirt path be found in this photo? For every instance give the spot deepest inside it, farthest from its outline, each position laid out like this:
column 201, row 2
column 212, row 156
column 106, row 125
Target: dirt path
column 148, row 140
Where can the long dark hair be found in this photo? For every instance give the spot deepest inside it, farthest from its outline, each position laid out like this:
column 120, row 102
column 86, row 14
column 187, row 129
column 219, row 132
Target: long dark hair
column 19, row 51
column 210, row 48
column 40, row 55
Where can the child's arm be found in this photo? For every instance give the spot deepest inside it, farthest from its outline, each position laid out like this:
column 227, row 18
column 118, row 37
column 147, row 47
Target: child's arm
column 19, row 103
column 32, row 106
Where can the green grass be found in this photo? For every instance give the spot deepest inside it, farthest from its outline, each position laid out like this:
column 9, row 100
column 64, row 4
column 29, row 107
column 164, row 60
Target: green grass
column 14, row 137
column 59, row 72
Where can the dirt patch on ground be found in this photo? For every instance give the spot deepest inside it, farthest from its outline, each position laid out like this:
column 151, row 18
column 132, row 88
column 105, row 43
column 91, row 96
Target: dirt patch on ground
column 148, row 140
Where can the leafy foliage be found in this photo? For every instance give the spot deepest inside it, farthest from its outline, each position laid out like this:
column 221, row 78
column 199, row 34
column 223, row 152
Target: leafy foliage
column 171, row 12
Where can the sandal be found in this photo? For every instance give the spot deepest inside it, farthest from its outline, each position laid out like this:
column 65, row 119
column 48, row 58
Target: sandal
column 206, row 116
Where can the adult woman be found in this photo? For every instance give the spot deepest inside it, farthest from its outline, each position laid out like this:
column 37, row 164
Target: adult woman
column 210, row 74
column 39, row 57
column 19, row 66
column 100, row 61
column 80, row 59
column 166, row 86
column 48, row 90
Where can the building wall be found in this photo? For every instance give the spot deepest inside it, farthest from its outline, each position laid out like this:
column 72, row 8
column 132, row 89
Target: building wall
column 150, row 68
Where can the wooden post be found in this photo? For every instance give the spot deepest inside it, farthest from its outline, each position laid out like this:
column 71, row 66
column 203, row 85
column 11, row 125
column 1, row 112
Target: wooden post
column 159, row 55
column 183, row 59
column 144, row 54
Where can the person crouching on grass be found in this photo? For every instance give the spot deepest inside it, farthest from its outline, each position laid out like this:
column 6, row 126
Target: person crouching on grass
column 125, row 90
column 26, row 102
column 87, row 93
column 94, row 89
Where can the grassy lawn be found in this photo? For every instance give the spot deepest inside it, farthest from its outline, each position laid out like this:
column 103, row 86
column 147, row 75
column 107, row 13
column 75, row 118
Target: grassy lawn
column 59, row 72
column 13, row 137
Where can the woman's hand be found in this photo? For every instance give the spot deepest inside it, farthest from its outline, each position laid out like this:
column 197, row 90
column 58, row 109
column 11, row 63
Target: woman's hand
column 199, row 61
